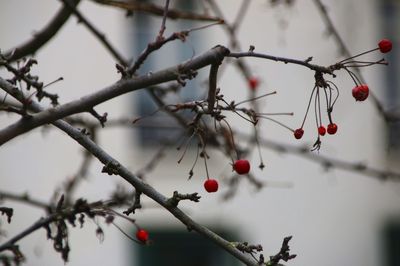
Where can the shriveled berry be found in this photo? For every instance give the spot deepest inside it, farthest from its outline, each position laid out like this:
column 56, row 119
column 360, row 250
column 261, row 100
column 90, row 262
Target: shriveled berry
column 361, row 92
column 321, row 130
column 298, row 133
column 211, row 185
column 385, row 46
column 241, row 166
column 142, row 235
column 253, row 83
column 332, row 128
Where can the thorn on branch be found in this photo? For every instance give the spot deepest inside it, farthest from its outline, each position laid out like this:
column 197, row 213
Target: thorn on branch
column 84, row 131
column 246, row 248
column 136, row 205
column 102, row 118
column 185, row 74
column 60, row 203
column 111, row 168
column 44, row 94
column 309, row 59
column 18, row 256
column 178, row 197
column 123, row 70
column 283, row 254
column 8, row 212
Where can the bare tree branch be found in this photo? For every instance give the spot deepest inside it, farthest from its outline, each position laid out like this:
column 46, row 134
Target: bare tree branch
column 41, row 37
column 100, row 36
column 156, row 10
column 25, row 198
column 346, row 52
column 135, row 181
column 85, row 103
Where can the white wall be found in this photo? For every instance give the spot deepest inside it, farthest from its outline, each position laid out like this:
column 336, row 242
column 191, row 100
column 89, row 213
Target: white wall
column 335, row 217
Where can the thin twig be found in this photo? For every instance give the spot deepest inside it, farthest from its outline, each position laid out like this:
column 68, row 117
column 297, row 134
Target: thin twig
column 164, row 19
column 41, row 37
column 121, row 87
column 140, row 185
column 24, row 198
column 325, row 161
column 100, row 36
column 153, row 9
column 318, row 68
column 346, row 52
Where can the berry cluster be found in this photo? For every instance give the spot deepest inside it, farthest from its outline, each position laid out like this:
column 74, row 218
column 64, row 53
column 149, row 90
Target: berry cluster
column 241, row 167
column 322, row 88
column 331, row 92
column 325, row 92
column 361, row 91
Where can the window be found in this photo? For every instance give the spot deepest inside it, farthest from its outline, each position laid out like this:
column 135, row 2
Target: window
column 391, row 247
column 390, row 10
column 161, row 127
column 183, row 248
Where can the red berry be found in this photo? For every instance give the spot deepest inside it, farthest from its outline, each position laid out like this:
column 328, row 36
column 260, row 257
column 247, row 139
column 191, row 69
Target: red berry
column 321, row 130
column 241, row 167
column 253, row 83
column 142, row 235
column 385, row 46
column 332, row 129
column 298, row 133
column 361, row 92
column 211, row 185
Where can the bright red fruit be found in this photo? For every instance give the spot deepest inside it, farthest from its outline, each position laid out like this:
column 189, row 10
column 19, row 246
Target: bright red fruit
column 298, row 133
column 385, row 46
column 321, row 130
column 142, row 235
column 241, row 167
column 361, row 92
column 332, row 128
column 253, row 83
column 211, row 185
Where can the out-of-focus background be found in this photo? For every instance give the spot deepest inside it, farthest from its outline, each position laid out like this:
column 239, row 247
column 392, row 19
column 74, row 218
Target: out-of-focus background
column 336, row 217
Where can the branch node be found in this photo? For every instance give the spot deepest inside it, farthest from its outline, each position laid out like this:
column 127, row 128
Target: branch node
column 111, row 168
column 246, row 248
column 102, row 118
column 123, row 70
column 136, row 204
column 8, row 212
column 283, row 254
column 178, row 197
